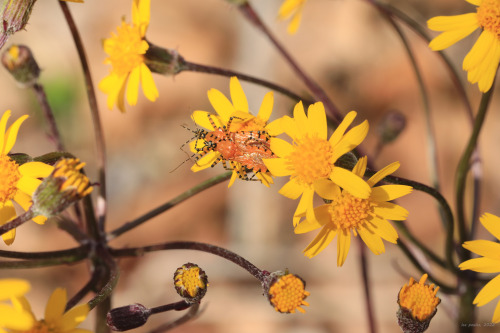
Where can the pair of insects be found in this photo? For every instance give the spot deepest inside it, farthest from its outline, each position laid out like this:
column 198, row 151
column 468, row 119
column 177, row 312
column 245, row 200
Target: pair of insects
column 243, row 150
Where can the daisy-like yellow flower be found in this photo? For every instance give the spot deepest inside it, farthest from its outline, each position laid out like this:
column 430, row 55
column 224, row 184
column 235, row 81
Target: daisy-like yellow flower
column 489, row 262
column 17, row 182
column 481, row 62
column 311, row 157
column 56, row 320
column 242, row 120
column 366, row 217
column 293, row 9
column 10, row 316
column 126, row 51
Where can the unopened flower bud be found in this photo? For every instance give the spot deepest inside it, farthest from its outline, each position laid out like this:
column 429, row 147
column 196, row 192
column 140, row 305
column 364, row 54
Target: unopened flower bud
column 127, row 317
column 417, row 305
column 19, row 61
column 15, row 14
column 286, row 292
column 391, row 126
column 191, row 282
column 64, row 186
column 164, row 61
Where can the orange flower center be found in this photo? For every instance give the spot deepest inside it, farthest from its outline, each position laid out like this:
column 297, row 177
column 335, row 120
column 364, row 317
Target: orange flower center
column 311, row 160
column 9, row 176
column 287, row 294
column 488, row 15
column 348, row 212
column 126, row 49
column 190, row 280
column 419, row 298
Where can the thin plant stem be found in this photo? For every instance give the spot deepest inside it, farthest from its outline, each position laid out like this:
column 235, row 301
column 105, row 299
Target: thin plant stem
column 366, row 285
column 38, row 263
column 189, row 315
column 219, row 251
column 88, row 287
column 247, row 11
column 81, row 250
column 18, row 221
column 166, row 206
column 94, row 110
column 463, row 169
column 112, row 279
column 190, row 66
column 49, row 115
column 177, row 306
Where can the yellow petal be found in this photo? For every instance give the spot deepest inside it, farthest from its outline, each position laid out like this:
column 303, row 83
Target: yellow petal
column 202, row 118
column 381, row 174
column 74, row 317
column 317, row 120
column 133, row 86
column 234, row 175
column 340, row 130
column 320, row 242
column 278, row 167
column 300, row 120
column 3, row 126
column 294, row 24
column 481, row 265
column 457, row 22
column 475, row 2
column 489, row 292
column 11, row 134
column 23, row 200
column 221, row 104
column 205, row 161
column 266, row 107
column 390, row 211
column 8, row 212
column 13, row 288
column 351, row 140
column 35, row 169
column 448, row 38
column 360, row 168
column 389, row 192
column 288, row 7
column 148, row 84
column 351, row 183
column 281, row 148
column 310, row 225
column 14, row 319
column 326, row 189
column 305, row 205
column 384, row 229
column 343, row 245
column 290, row 127
column 491, row 223
column 28, row 185
column 55, row 305
column 484, row 248
column 372, row 240
column 238, row 97
column 292, row 189
column 275, row 127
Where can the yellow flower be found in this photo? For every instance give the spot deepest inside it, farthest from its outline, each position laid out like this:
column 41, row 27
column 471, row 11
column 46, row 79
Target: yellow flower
column 346, row 213
column 489, row 262
column 311, row 157
column 17, row 182
column 287, row 293
column 481, row 62
column 126, row 51
column 56, row 319
column 241, row 120
column 11, row 317
column 293, row 9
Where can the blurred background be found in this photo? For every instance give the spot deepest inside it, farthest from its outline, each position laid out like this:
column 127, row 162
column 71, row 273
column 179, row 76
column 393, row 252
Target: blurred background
column 351, row 51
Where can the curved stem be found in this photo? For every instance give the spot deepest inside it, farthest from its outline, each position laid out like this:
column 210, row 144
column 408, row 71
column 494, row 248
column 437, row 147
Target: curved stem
column 94, row 110
column 190, row 66
column 88, row 287
column 463, row 168
column 18, row 221
column 112, row 279
column 219, row 251
column 81, row 250
column 189, row 315
column 366, row 285
column 315, row 89
column 166, row 206
column 37, row 263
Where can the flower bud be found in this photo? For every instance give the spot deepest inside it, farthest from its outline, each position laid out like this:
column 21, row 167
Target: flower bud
column 286, row 292
column 391, row 126
column 417, row 305
column 127, row 317
column 19, row 61
column 64, row 186
column 14, row 14
column 191, row 282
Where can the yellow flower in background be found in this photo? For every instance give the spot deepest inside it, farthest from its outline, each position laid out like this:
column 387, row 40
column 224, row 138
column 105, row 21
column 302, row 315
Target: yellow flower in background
column 293, row 9
column 56, row 319
column 242, row 120
column 17, row 182
column 489, row 262
column 10, row 316
column 126, row 51
column 347, row 213
column 481, row 62
column 311, row 157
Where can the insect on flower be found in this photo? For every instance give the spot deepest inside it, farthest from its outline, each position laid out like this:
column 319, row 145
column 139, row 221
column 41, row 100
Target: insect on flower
column 244, row 150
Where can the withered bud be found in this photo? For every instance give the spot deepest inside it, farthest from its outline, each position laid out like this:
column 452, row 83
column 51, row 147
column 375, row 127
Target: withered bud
column 19, row 61
column 127, row 317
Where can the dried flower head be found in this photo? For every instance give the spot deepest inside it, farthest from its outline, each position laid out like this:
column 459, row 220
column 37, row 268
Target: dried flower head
column 191, row 282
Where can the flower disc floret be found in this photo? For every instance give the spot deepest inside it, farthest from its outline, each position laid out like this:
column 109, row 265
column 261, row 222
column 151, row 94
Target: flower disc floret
column 9, row 175
column 488, row 15
column 312, row 159
column 348, row 212
column 191, row 282
column 419, row 298
column 287, row 294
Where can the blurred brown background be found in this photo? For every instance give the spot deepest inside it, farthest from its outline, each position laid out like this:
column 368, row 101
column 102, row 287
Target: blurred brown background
column 351, row 51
